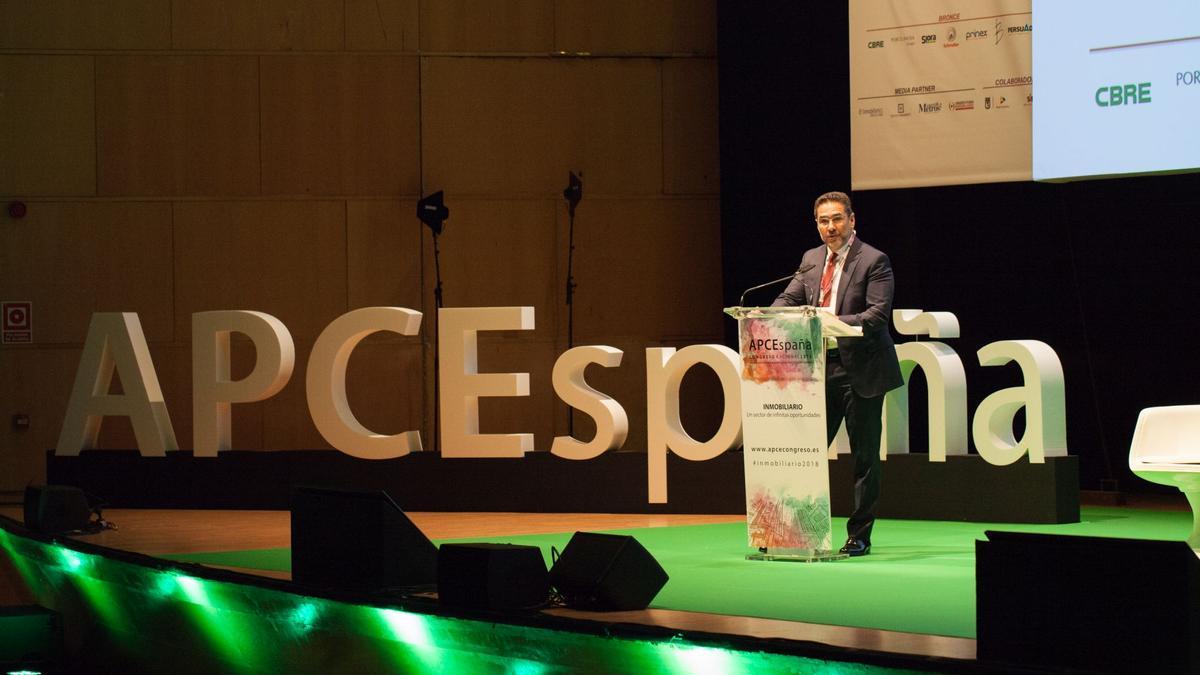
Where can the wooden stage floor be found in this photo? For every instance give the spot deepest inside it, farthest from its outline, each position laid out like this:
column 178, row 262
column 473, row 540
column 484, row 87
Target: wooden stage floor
column 159, row 532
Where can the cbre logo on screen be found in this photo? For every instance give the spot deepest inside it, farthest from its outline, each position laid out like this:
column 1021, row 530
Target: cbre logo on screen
column 1111, row 96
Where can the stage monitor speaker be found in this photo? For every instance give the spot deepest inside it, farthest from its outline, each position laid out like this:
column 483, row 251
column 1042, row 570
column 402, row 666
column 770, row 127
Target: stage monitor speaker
column 357, row 540
column 606, row 572
column 492, row 576
column 1090, row 603
column 31, row 639
column 53, row 509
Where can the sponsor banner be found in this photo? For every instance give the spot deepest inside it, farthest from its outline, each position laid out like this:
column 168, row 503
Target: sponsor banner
column 783, row 432
column 940, row 95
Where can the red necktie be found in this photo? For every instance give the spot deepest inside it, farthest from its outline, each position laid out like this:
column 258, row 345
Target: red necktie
column 827, row 281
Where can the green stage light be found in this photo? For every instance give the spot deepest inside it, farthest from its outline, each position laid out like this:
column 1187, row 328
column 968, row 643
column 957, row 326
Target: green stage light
column 149, row 615
column 685, row 658
column 412, row 631
column 164, row 586
column 529, row 668
column 303, row 618
column 70, row 558
column 407, row 627
column 194, row 590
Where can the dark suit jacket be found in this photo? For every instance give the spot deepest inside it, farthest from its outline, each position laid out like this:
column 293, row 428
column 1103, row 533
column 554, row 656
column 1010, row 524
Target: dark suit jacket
column 864, row 299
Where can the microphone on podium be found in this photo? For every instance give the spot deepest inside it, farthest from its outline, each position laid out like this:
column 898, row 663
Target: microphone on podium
column 801, row 270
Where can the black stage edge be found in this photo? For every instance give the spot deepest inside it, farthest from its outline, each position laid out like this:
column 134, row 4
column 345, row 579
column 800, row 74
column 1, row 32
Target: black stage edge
column 964, row 488
column 99, row 653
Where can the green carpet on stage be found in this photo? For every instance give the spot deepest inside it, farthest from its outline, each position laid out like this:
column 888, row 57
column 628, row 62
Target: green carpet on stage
column 919, row 578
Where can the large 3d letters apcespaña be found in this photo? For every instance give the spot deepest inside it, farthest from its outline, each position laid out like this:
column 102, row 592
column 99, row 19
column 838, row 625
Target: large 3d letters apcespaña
column 462, row 384
column 1041, row 396
column 612, row 424
column 213, row 391
column 665, row 369
column 115, row 343
column 326, row 383
column 946, row 383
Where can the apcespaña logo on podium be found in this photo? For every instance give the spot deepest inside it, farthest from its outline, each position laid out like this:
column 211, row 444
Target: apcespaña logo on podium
column 18, row 322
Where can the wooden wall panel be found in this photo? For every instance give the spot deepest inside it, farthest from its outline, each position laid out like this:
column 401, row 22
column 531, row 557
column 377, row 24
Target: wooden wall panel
column 496, row 130
column 500, row 254
column 85, row 24
column 497, row 26
column 47, row 131
column 614, row 123
column 694, row 26
column 383, row 247
column 340, row 125
column 636, row 26
column 36, row 382
column 691, row 152
column 287, row 259
column 483, row 133
column 261, row 25
column 177, row 125
column 649, row 268
column 73, row 259
column 390, row 25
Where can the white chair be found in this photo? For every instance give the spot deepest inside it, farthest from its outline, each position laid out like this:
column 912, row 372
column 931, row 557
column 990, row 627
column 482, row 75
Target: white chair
column 1166, row 450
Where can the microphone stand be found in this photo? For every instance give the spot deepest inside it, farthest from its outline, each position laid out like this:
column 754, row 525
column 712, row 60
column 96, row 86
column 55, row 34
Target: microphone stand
column 570, row 276
column 437, row 275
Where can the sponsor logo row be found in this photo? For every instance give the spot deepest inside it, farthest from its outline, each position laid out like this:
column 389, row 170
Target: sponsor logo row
column 950, row 36
column 906, row 108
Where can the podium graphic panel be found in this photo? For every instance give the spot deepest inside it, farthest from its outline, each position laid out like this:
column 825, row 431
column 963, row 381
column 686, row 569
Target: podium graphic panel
column 784, row 437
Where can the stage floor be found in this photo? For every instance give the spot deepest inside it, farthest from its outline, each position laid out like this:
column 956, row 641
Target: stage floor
column 923, row 568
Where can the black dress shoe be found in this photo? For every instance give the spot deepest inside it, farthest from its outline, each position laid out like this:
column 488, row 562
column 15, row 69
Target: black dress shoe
column 855, row 547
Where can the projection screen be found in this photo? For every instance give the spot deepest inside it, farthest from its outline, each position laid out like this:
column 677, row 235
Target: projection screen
column 1118, row 88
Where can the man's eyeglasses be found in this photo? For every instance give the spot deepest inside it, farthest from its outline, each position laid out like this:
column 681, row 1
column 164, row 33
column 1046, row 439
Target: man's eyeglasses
column 836, row 219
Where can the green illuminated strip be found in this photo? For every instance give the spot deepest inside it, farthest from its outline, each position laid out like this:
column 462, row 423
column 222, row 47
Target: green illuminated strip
column 164, row 616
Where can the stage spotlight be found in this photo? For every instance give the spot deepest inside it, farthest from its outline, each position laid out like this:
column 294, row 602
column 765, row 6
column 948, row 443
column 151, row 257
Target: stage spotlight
column 432, row 211
column 573, row 193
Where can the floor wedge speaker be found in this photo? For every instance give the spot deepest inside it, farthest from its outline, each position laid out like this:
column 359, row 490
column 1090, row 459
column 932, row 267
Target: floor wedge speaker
column 606, row 572
column 52, row 509
column 31, row 639
column 492, row 576
column 357, row 540
column 1092, row 604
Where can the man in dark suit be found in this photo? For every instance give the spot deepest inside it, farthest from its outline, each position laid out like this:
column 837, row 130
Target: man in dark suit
column 854, row 281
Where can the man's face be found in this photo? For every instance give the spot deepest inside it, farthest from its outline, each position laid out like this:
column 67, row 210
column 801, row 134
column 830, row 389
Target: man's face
column 834, row 225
